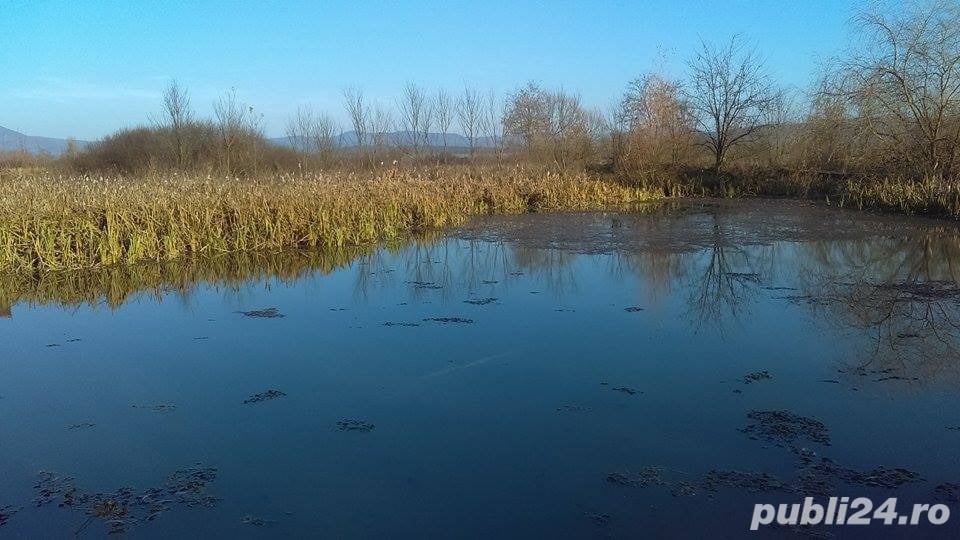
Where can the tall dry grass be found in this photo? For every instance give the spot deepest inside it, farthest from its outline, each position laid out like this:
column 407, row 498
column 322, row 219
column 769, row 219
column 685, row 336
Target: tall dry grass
column 50, row 222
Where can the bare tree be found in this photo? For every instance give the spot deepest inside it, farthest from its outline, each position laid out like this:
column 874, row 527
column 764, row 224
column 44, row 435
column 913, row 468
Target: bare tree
column 231, row 122
column 443, row 108
column 300, row 127
column 493, row 124
column 658, row 125
column 358, row 112
column 905, row 83
column 470, row 116
column 729, row 93
column 416, row 117
column 381, row 124
column 312, row 132
column 176, row 104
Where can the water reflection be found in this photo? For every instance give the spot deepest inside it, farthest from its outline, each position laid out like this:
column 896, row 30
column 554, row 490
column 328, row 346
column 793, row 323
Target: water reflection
column 892, row 279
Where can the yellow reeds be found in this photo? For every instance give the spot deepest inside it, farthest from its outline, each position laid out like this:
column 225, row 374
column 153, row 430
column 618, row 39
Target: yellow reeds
column 50, row 222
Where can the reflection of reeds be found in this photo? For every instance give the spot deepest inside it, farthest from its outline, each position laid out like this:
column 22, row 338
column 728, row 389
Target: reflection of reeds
column 57, row 223
column 114, row 284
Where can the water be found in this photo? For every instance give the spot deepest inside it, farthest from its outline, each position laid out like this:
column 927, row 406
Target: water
column 514, row 419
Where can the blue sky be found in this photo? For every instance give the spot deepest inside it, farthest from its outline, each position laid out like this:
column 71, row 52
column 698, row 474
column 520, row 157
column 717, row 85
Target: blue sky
column 86, row 68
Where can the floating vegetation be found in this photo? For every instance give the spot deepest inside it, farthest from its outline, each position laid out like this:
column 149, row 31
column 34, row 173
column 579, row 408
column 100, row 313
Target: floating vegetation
column 407, row 324
column 159, row 407
column 785, row 428
column 819, row 476
column 755, row 376
column 926, row 290
column 624, row 390
column 633, row 309
column 753, row 482
column 572, row 409
column 896, row 378
column 425, row 285
column 83, row 425
column 123, row 508
column 480, row 301
column 256, row 521
column 685, row 489
column 599, row 519
column 264, row 396
column 7, row 512
column 948, row 491
column 352, row 424
column 266, row 313
column 646, row 477
column 449, row 320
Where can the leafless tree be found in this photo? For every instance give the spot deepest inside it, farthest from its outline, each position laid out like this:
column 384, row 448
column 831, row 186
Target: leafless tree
column 493, row 123
column 313, row 132
column 358, row 111
column 176, row 104
column 233, row 118
column 905, row 83
column 443, row 108
column 381, row 124
column 658, row 125
column 416, row 117
column 470, row 116
column 729, row 94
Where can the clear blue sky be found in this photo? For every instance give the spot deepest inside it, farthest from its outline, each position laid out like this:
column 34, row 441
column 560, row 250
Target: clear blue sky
column 86, row 68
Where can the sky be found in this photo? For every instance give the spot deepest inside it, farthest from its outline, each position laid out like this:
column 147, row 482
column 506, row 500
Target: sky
column 87, row 68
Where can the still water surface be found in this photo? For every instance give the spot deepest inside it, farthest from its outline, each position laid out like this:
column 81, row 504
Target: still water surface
column 564, row 375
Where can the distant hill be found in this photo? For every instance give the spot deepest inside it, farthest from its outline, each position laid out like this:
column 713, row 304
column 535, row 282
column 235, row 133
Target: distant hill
column 14, row 140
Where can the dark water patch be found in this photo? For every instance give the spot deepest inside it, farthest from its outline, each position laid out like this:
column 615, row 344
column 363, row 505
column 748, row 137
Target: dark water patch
column 633, row 309
column 480, row 301
column 948, row 492
column 401, row 324
column 158, row 407
column 449, row 320
column 755, row 376
column 647, row 476
column 50, row 345
column 683, row 488
column 353, row 424
column 7, row 512
column 122, row 509
column 785, row 428
column 750, row 481
column 425, row 285
column 572, row 409
column 266, row 313
column 489, row 282
column 83, row 425
column 264, row 396
column 257, row 521
column 599, row 519
column 625, row 390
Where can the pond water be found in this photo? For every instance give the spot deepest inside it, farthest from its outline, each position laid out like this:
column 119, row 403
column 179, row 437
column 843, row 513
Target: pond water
column 649, row 373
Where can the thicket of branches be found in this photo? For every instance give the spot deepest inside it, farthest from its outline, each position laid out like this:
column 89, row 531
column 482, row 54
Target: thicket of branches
column 889, row 107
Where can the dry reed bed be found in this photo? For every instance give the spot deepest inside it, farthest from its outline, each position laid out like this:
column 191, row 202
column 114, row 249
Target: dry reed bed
column 49, row 222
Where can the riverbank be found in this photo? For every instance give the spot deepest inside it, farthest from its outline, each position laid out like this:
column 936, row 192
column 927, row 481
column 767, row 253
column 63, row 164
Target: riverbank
column 50, row 222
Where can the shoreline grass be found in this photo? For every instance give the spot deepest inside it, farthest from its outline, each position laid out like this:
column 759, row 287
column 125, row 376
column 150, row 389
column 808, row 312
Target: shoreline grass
column 50, row 222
